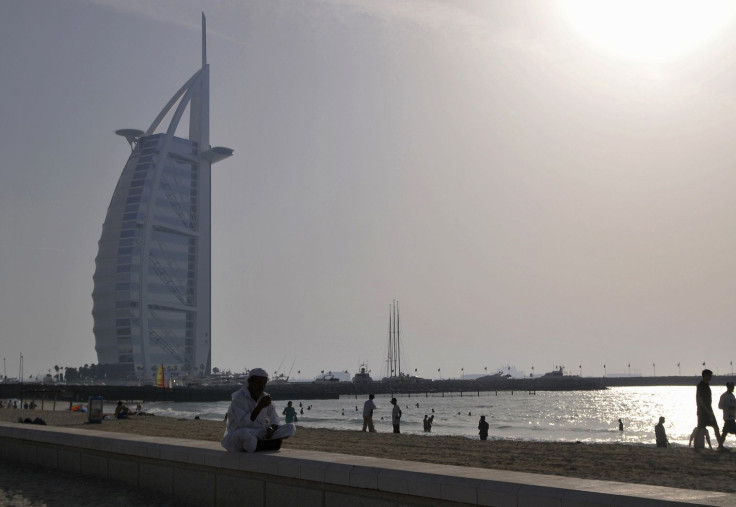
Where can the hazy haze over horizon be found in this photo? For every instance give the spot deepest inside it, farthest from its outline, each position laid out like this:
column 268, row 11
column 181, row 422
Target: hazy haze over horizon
column 530, row 196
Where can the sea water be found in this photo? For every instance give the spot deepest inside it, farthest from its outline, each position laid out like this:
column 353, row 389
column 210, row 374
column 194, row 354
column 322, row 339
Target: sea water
column 569, row 416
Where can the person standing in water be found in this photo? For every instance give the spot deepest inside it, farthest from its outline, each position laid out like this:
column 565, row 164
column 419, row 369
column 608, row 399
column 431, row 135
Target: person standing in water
column 483, row 428
column 289, row 413
column 395, row 415
column 368, row 408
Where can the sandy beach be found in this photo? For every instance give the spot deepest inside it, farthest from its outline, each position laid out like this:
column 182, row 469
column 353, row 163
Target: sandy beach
column 644, row 464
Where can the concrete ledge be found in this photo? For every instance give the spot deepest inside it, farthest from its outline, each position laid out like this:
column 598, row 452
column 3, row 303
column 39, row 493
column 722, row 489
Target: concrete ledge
column 202, row 473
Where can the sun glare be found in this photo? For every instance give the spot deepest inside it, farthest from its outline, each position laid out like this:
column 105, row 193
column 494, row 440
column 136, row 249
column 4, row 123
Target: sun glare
column 648, row 30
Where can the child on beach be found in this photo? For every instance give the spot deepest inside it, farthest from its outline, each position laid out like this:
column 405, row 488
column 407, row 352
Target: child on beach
column 700, row 436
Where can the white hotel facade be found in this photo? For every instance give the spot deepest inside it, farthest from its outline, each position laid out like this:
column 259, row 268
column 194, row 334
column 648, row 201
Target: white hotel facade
column 152, row 282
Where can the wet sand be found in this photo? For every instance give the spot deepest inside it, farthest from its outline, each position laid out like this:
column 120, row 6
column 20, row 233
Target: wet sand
column 680, row 467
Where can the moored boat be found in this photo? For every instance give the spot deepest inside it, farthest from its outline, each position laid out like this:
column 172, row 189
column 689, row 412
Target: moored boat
column 362, row 376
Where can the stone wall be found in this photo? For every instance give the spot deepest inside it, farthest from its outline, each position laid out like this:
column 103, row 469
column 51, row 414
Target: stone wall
column 203, row 474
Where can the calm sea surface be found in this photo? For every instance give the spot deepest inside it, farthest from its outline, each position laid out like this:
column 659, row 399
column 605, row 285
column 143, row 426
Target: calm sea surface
column 587, row 416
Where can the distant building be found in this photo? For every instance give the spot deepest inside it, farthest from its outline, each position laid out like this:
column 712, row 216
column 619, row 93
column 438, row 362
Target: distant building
column 152, row 282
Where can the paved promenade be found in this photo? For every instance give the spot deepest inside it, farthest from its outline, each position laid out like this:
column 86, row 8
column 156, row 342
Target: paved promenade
column 23, row 485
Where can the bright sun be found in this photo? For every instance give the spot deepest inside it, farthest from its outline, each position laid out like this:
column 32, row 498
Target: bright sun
column 648, row 30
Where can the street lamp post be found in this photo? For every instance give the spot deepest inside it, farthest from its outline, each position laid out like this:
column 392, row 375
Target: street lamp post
column 581, row 370
column 654, row 370
column 629, row 369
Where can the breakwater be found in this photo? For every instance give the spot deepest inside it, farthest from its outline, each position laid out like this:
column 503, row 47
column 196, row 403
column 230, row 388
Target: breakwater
column 334, row 390
column 325, row 390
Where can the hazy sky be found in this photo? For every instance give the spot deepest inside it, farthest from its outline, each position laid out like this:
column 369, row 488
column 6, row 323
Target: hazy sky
column 537, row 183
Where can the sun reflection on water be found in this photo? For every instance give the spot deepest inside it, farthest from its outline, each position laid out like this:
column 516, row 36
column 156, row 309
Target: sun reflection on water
column 586, row 416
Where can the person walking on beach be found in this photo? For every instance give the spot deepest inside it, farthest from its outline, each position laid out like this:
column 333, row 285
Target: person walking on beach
column 252, row 416
column 704, row 401
column 727, row 403
column 483, row 428
column 620, row 425
column 660, row 435
column 395, row 415
column 368, row 408
column 289, row 413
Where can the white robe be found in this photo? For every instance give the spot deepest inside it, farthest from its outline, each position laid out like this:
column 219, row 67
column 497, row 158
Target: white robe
column 242, row 434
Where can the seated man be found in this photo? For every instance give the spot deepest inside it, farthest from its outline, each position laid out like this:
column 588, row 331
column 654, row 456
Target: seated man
column 252, row 417
column 122, row 411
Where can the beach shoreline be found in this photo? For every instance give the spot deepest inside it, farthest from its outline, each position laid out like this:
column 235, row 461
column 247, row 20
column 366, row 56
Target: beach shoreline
column 679, row 467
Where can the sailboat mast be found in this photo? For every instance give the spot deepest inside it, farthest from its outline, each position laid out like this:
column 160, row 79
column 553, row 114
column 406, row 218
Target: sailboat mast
column 389, row 369
column 398, row 337
column 394, row 340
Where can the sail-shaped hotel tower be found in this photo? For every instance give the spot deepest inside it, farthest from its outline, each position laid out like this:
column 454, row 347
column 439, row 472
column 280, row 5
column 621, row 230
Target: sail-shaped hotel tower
column 152, row 282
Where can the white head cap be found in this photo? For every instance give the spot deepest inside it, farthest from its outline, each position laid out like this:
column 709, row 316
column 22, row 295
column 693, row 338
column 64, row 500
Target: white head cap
column 257, row 372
